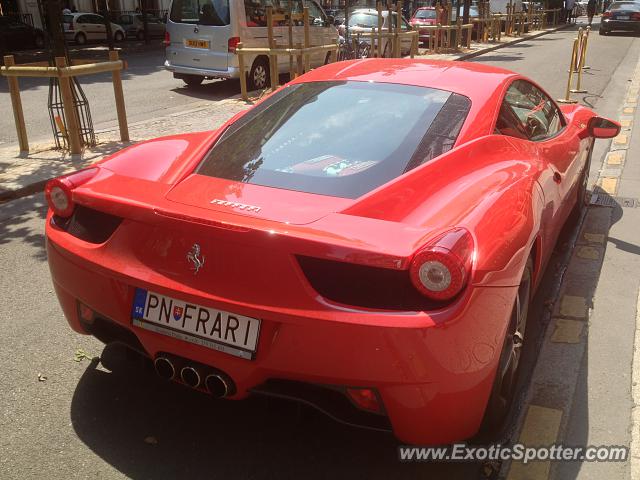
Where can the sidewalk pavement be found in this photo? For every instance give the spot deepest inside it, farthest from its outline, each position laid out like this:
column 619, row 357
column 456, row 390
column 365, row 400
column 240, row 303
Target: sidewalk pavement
column 20, row 176
column 585, row 389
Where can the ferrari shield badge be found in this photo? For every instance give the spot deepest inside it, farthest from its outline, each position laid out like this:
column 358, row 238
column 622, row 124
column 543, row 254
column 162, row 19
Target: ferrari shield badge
column 195, row 258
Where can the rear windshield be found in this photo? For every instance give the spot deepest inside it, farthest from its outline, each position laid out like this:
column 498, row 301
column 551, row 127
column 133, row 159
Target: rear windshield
column 202, row 12
column 337, row 138
column 67, row 19
column 425, row 14
column 366, row 20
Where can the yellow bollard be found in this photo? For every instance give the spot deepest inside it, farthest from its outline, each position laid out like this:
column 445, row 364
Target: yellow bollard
column 582, row 48
column 574, row 54
column 16, row 103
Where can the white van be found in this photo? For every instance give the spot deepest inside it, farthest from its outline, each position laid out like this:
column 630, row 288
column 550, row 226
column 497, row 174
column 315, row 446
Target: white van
column 202, row 36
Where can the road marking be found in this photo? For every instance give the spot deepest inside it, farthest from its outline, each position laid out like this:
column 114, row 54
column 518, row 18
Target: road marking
column 594, row 237
column 609, row 185
column 567, row 331
column 628, row 110
column 588, row 253
column 635, row 395
column 541, row 427
column 573, row 306
column 626, row 123
column 615, row 158
column 622, row 139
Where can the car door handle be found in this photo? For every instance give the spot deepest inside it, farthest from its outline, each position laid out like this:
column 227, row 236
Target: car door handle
column 557, row 177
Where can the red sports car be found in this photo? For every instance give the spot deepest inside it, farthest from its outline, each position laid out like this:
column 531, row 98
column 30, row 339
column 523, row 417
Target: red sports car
column 366, row 240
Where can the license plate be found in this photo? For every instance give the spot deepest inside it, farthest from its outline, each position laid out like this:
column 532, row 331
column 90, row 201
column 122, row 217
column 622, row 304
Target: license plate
column 197, row 43
column 216, row 329
column 622, row 17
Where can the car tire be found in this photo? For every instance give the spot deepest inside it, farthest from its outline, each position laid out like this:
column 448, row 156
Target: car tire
column 39, row 41
column 259, row 76
column 118, row 37
column 602, row 31
column 81, row 38
column 582, row 198
column 193, row 80
column 506, row 380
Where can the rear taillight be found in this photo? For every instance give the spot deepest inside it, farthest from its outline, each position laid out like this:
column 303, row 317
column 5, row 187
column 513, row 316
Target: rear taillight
column 71, row 28
column 606, row 15
column 441, row 269
column 167, row 39
column 635, row 16
column 233, row 44
column 58, row 191
column 365, row 398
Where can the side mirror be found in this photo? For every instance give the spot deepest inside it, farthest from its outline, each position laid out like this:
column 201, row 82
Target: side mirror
column 603, row 128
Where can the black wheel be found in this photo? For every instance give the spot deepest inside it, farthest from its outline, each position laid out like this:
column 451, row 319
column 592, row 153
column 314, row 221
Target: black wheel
column 583, row 197
column 39, row 41
column 192, row 80
column 118, row 37
column 81, row 38
column 506, row 379
column 602, row 31
column 364, row 50
column 259, row 77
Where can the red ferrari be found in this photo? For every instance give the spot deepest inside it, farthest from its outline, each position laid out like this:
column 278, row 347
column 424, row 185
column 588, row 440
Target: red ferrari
column 365, row 240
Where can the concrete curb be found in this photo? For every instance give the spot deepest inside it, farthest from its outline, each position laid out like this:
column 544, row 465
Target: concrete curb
column 555, row 376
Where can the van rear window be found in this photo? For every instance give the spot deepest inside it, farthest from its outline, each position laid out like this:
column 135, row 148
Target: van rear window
column 202, row 12
column 337, row 138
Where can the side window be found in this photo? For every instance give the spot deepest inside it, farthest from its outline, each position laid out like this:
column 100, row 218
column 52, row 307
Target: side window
column 256, row 11
column 95, row 19
column 536, row 114
column 317, row 17
column 82, row 19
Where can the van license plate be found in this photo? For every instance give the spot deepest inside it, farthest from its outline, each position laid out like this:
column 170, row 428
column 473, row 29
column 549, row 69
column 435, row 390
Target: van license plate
column 197, row 43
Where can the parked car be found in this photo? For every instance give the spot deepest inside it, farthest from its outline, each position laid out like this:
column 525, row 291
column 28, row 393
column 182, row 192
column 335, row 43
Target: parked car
column 425, row 16
column 621, row 16
column 15, row 34
column 367, row 239
column 85, row 27
column 133, row 25
column 363, row 20
column 202, row 37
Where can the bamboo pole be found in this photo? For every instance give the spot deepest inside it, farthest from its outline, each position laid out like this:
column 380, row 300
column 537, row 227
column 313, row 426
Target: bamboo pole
column 70, row 114
column 380, row 20
column 567, row 98
column 119, row 97
column 243, row 77
column 16, row 103
column 397, row 51
column 290, row 44
column 307, row 38
column 273, row 59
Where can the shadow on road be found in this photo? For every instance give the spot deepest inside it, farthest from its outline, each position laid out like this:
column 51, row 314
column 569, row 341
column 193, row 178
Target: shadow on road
column 200, row 437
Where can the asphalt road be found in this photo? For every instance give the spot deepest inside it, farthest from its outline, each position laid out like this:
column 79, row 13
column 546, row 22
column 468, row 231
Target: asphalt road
column 148, row 90
column 66, row 419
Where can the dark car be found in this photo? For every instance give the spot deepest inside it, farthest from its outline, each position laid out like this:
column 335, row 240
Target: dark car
column 622, row 16
column 18, row 35
column 134, row 26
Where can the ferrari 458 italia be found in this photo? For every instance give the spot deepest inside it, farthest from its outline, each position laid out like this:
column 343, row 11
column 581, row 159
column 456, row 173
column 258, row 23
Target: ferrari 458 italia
column 366, row 239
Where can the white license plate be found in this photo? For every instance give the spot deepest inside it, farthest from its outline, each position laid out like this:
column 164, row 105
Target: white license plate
column 216, row 329
column 203, row 44
column 622, row 17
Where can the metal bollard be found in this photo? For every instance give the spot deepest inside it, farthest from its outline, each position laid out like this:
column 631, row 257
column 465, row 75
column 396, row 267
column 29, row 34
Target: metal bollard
column 574, row 55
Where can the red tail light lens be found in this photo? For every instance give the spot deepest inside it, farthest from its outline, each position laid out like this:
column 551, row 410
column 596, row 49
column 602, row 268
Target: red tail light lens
column 606, row 15
column 365, row 398
column 167, row 39
column 233, row 44
column 58, row 191
column 635, row 16
column 441, row 269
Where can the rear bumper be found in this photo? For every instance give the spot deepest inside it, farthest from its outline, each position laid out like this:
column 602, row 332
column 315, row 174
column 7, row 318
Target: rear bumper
column 434, row 380
column 622, row 25
column 230, row 72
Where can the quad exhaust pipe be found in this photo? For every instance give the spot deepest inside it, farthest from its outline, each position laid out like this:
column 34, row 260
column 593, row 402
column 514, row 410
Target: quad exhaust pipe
column 165, row 368
column 218, row 384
